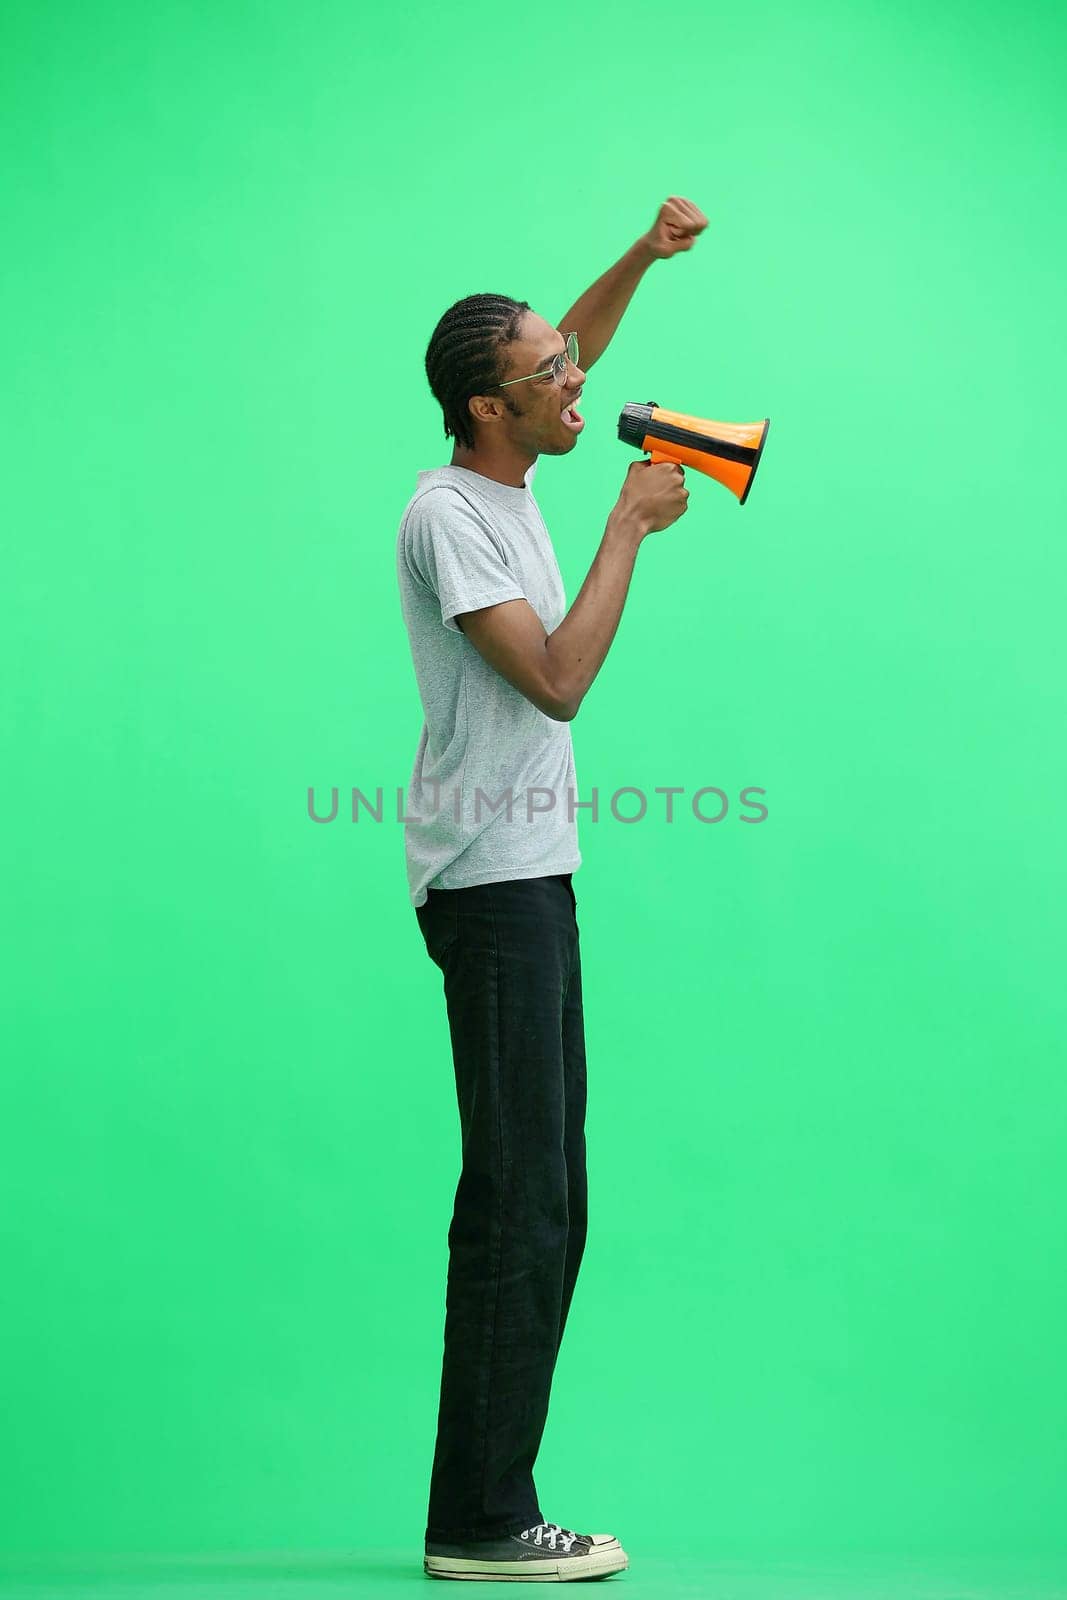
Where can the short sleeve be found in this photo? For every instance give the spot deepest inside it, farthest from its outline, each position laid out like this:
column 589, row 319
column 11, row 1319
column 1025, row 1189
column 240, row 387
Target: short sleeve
column 453, row 550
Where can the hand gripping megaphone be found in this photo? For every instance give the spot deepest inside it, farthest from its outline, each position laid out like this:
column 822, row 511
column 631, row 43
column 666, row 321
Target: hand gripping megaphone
column 726, row 451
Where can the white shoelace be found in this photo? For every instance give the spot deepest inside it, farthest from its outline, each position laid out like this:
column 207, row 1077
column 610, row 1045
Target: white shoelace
column 550, row 1534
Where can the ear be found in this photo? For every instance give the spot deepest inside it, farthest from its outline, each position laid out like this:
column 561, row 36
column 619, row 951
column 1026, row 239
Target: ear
column 483, row 407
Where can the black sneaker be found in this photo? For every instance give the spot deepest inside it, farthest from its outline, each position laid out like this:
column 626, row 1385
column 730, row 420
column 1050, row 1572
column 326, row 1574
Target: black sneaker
column 545, row 1553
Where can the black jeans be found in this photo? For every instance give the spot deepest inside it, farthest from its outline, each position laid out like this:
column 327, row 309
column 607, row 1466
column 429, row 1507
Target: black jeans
column 513, row 988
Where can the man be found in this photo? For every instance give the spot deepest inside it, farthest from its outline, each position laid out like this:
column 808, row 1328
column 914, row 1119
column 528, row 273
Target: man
column 491, row 845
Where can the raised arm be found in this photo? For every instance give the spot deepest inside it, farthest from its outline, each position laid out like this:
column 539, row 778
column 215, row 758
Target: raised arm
column 596, row 314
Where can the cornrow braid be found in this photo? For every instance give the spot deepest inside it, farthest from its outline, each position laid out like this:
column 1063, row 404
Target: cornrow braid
column 464, row 356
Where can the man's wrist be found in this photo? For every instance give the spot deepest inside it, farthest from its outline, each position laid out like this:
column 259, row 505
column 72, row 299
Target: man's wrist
column 626, row 526
column 642, row 252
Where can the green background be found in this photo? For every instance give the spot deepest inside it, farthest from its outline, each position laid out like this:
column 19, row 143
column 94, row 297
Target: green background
column 822, row 1307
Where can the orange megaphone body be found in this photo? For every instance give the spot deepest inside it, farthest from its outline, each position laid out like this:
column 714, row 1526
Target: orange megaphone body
column 727, row 451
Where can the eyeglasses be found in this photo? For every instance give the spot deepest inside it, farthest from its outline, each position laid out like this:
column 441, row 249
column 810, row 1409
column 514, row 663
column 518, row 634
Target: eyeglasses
column 558, row 369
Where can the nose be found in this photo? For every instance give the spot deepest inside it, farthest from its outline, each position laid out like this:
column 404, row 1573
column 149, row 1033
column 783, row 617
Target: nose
column 574, row 374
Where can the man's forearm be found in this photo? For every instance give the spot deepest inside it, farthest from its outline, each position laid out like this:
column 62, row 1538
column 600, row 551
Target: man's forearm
column 576, row 649
column 596, row 315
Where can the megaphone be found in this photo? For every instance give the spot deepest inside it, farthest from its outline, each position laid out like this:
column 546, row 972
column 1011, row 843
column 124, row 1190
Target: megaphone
column 727, row 451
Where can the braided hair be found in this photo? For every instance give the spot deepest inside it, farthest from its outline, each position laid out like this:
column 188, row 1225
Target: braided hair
column 465, row 354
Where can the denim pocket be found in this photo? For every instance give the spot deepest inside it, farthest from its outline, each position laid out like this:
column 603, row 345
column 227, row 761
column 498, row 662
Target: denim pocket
column 439, row 922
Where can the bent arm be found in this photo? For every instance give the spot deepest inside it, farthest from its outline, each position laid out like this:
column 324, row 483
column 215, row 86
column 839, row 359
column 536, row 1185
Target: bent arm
column 555, row 670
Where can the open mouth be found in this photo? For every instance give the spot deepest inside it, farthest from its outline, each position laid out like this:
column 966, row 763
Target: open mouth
column 570, row 418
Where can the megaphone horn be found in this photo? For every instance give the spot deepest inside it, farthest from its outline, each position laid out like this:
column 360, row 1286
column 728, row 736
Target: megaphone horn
column 729, row 452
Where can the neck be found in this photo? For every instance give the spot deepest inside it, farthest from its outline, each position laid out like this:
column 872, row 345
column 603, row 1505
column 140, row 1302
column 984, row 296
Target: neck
column 505, row 464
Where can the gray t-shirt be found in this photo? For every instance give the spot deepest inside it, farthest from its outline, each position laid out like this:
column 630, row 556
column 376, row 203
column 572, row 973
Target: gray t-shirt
column 466, row 541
